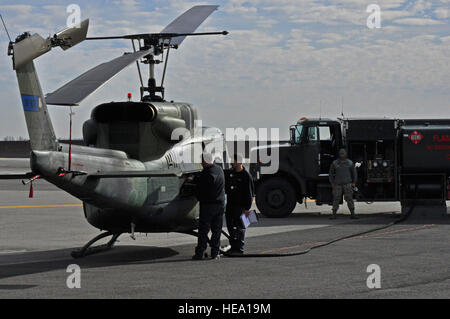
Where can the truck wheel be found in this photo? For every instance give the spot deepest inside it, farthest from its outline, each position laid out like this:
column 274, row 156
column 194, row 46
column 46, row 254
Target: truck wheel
column 276, row 198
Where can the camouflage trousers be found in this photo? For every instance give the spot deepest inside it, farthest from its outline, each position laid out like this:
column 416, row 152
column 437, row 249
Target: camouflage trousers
column 347, row 190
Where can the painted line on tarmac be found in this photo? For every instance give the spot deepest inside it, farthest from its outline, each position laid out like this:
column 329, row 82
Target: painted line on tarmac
column 43, row 206
column 7, row 252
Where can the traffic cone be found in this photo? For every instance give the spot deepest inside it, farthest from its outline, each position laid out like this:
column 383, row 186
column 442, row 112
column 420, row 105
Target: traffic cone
column 30, row 195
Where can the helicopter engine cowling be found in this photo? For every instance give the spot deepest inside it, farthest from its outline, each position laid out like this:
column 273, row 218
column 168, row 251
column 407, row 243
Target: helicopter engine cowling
column 141, row 129
column 166, row 125
column 90, row 129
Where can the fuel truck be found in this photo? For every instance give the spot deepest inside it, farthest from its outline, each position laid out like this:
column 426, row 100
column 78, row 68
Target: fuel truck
column 396, row 160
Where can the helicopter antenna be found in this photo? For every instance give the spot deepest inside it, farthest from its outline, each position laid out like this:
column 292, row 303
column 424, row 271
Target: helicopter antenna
column 6, row 29
column 342, row 106
column 320, row 110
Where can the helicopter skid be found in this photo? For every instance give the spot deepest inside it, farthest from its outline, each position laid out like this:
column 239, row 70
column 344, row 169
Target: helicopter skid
column 88, row 250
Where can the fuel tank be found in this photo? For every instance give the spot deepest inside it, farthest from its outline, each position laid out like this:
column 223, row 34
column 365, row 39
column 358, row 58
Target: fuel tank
column 425, row 148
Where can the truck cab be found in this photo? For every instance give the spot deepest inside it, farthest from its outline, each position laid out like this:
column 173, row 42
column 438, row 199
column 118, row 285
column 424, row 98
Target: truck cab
column 303, row 167
column 319, row 140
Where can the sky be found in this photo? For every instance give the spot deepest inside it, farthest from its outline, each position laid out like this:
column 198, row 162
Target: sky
column 283, row 59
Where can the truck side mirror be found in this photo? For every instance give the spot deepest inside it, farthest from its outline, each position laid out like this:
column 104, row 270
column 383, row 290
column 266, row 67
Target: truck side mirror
column 292, row 130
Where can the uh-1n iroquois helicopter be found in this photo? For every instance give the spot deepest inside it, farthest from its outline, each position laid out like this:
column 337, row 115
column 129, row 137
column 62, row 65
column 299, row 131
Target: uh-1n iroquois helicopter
column 131, row 174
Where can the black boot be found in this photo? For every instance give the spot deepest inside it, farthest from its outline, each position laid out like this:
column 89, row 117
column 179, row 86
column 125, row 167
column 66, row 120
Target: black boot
column 353, row 215
column 197, row 257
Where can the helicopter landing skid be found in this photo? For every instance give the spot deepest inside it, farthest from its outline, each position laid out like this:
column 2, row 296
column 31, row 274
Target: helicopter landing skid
column 88, row 250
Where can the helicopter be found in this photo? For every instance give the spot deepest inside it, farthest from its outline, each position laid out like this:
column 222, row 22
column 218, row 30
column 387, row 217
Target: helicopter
column 132, row 174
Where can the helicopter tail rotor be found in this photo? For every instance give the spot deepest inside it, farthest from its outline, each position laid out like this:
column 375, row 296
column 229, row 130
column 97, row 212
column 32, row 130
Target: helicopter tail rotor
column 28, row 47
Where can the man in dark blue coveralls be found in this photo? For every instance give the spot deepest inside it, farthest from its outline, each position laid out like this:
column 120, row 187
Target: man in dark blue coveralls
column 211, row 195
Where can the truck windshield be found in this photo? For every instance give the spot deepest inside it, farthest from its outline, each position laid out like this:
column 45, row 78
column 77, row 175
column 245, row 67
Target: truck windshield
column 298, row 133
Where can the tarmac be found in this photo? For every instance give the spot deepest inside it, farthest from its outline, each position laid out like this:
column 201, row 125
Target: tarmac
column 37, row 235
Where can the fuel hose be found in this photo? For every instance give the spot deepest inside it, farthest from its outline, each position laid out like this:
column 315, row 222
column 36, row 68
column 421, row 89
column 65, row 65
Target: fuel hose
column 402, row 218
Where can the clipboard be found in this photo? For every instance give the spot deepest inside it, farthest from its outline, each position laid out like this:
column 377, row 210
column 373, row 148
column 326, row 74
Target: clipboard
column 251, row 219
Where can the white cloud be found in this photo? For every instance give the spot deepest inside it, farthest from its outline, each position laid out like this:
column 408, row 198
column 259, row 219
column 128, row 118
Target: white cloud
column 417, row 21
column 420, row 6
column 442, row 13
column 17, row 8
column 268, row 71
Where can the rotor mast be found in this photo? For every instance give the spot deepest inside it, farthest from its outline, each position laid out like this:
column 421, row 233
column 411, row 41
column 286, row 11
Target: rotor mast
column 151, row 87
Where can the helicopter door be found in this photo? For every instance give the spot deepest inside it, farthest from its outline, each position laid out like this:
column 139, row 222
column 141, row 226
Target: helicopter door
column 310, row 152
column 162, row 189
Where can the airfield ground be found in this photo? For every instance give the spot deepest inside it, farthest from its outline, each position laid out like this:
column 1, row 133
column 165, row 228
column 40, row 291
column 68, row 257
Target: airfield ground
column 38, row 234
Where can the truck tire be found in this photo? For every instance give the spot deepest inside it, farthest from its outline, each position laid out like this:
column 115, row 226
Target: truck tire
column 275, row 198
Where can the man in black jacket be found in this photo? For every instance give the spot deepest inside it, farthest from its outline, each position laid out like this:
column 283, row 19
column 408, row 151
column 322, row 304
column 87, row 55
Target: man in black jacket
column 211, row 195
column 239, row 189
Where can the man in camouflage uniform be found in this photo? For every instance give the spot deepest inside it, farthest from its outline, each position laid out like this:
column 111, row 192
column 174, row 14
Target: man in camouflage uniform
column 343, row 178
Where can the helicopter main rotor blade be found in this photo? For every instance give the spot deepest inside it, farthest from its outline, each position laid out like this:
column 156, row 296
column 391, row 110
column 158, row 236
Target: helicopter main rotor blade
column 189, row 21
column 177, row 30
column 75, row 91
column 163, row 36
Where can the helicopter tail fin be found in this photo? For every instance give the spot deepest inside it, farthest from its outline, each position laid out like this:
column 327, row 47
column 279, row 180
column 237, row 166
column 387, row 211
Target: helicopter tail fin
column 40, row 128
column 24, row 50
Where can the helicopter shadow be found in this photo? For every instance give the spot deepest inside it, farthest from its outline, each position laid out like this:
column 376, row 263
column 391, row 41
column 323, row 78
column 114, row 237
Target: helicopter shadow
column 44, row 261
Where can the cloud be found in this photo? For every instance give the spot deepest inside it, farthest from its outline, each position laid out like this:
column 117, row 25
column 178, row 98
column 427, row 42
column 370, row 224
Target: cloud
column 442, row 13
column 240, row 6
column 16, row 8
column 417, row 21
column 280, row 61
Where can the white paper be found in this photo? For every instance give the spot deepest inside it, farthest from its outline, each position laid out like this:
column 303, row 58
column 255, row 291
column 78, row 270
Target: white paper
column 251, row 219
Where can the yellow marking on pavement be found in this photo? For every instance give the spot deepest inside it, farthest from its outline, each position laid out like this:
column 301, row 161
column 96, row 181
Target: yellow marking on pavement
column 43, row 206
